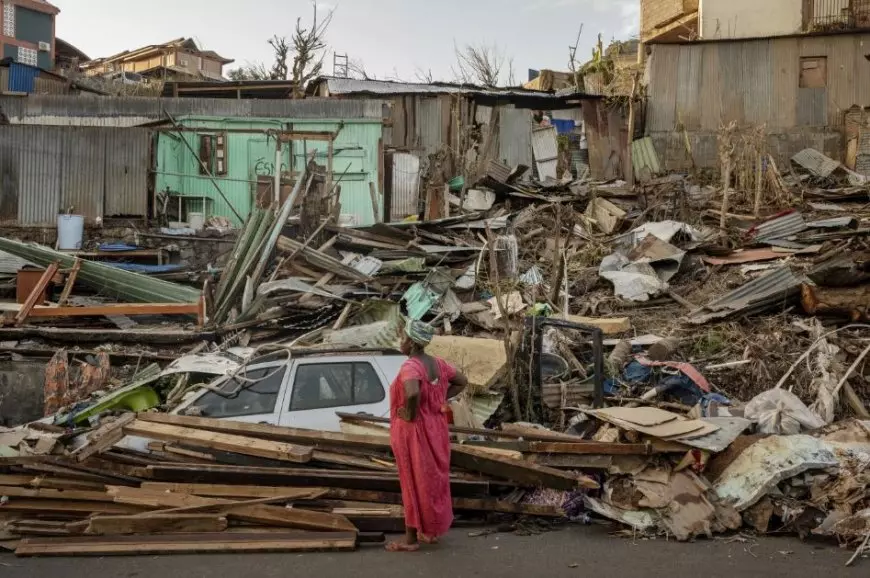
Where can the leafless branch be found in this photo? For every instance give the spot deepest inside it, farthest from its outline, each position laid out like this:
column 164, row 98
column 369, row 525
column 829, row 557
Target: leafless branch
column 282, row 50
column 309, row 50
column 481, row 64
column 357, row 69
column 250, row 71
column 424, row 76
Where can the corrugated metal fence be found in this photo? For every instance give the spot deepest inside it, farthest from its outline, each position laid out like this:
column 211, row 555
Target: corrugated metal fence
column 92, row 171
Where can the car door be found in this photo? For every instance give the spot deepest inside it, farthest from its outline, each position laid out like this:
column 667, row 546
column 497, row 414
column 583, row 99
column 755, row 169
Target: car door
column 318, row 388
column 254, row 395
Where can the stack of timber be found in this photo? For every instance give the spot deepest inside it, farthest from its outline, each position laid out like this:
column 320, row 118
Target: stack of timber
column 198, row 485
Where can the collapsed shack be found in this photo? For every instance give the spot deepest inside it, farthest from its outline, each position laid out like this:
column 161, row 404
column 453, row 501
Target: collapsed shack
column 688, row 356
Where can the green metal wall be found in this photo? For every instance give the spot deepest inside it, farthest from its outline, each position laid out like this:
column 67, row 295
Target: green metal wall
column 356, row 150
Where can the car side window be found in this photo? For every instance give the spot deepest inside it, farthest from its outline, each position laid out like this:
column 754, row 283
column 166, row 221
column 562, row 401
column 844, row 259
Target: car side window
column 254, row 392
column 325, row 385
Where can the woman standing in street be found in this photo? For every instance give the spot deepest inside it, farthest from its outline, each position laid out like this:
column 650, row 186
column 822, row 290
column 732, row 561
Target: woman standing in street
column 420, row 438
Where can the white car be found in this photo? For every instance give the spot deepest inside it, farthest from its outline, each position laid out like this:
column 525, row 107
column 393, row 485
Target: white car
column 304, row 390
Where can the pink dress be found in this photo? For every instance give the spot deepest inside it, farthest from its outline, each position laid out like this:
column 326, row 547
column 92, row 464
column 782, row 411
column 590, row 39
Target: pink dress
column 422, row 449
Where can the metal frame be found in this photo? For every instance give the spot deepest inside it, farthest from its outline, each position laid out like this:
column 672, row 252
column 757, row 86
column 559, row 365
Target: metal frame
column 538, row 324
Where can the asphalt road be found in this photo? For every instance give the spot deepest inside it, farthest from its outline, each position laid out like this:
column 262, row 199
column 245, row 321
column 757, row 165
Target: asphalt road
column 574, row 552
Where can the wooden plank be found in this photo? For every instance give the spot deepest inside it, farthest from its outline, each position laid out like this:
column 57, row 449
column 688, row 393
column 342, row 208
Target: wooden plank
column 258, row 514
column 372, row 481
column 37, row 293
column 16, row 480
column 157, row 523
column 220, row 441
column 66, row 484
column 571, row 461
column 349, row 461
column 229, row 491
column 187, row 544
column 609, row 326
column 521, row 472
column 61, row 507
column 45, row 494
column 106, row 436
column 190, row 454
column 578, row 448
column 118, row 309
column 70, row 282
column 315, row 439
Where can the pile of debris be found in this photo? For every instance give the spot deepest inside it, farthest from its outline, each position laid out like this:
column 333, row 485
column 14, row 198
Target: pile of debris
column 186, row 484
column 698, row 350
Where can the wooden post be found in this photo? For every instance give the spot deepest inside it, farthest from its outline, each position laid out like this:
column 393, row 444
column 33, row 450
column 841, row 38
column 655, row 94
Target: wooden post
column 375, row 205
column 629, row 169
column 726, row 190
column 70, row 282
column 758, row 187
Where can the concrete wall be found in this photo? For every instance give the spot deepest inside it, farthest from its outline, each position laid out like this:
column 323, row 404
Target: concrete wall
column 21, row 391
column 750, row 18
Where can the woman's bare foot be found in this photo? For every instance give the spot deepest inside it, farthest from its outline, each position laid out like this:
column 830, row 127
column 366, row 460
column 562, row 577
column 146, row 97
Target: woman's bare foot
column 402, row 547
column 427, row 539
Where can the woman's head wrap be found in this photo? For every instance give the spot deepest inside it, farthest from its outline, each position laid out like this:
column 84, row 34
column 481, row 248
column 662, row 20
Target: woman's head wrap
column 419, row 332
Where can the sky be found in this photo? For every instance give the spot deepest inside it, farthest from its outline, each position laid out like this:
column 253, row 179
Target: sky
column 390, row 39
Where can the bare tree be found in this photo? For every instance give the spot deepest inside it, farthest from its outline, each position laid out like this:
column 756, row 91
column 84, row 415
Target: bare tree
column 309, row 50
column 424, row 76
column 282, row 51
column 357, row 69
column 250, row 71
column 484, row 65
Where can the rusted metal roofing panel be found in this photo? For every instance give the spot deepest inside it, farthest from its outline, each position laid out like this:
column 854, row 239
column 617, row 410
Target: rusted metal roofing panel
column 812, row 107
column 131, row 111
column 428, row 127
column 406, row 185
column 82, row 180
column 709, row 94
column 514, row 136
column 780, row 228
column 768, row 291
column 662, row 90
column 843, row 61
column 689, row 86
column 758, row 83
column 546, row 149
column 785, row 71
column 30, row 173
column 815, row 162
column 126, row 169
column 733, row 83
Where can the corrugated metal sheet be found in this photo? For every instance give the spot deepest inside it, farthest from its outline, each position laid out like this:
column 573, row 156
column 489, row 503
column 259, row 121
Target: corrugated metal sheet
column 783, row 55
column 664, row 67
column 812, row 107
column 644, row 159
column 131, row 111
column 711, row 86
column 406, row 185
column 815, row 162
column 127, row 162
column 83, row 178
column 514, row 136
column 688, row 86
column 350, row 86
column 862, row 164
column 765, row 292
column 757, row 90
column 22, row 77
column 45, row 170
column 428, row 130
column 546, row 149
column 780, row 228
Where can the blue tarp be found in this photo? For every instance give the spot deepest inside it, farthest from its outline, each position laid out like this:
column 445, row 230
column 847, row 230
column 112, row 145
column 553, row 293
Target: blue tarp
column 22, row 77
column 563, row 126
column 147, row 269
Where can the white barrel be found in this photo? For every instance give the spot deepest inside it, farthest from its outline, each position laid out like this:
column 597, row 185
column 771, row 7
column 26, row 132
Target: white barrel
column 70, row 231
column 196, row 221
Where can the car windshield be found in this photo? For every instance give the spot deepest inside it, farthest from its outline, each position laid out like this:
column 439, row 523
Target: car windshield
column 254, row 391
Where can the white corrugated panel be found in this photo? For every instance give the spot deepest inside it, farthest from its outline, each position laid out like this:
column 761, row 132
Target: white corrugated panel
column 429, row 136
column 546, row 148
column 406, row 185
column 514, row 136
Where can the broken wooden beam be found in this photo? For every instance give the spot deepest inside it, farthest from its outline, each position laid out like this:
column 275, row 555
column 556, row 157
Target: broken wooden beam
column 103, row 438
column 254, row 513
column 156, row 524
column 525, row 473
column 312, row 438
column 220, row 441
column 37, row 293
column 187, row 544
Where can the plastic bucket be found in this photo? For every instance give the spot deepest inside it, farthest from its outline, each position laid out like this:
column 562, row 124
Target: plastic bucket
column 70, row 231
column 196, row 221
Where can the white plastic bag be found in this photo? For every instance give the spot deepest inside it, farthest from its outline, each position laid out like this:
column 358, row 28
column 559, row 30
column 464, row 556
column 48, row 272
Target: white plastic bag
column 778, row 411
